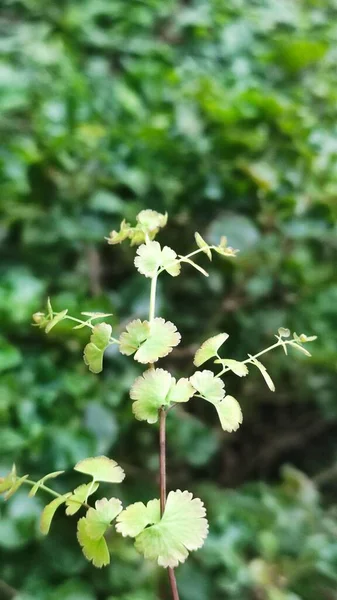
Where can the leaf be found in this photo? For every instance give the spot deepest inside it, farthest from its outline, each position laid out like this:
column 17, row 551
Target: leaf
column 185, row 259
column 96, row 315
column 230, row 413
column 132, row 520
column 101, row 468
column 182, row 528
column 117, row 237
column 150, row 258
column 94, row 351
column 80, row 496
column 49, row 512
column 283, row 332
column 210, row 387
column 7, row 482
column 203, row 245
column 239, row 368
column 151, row 340
column 264, row 372
column 300, row 348
column 98, row 519
column 136, row 333
column 41, row 481
column 156, row 388
column 95, row 551
column 209, row 348
column 56, row 319
column 151, row 220
column 15, row 486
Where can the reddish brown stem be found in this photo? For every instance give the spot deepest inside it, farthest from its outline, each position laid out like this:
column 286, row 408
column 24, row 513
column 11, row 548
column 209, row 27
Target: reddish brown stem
column 162, row 462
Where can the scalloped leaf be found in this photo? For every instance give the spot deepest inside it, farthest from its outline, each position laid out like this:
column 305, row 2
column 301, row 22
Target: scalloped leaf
column 211, row 388
column 203, row 245
column 96, row 551
column 263, row 372
column 209, row 348
column 49, row 512
column 101, row 468
column 94, row 351
column 230, row 414
column 239, row 368
column 132, row 520
column 41, row 481
column 156, row 388
column 80, row 496
column 283, row 332
column 182, row 528
column 150, row 341
column 117, row 237
column 151, row 257
column 98, row 519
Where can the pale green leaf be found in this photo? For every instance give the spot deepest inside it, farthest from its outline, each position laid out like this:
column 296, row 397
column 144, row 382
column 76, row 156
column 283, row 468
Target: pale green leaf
column 182, row 528
column 230, row 413
column 181, row 391
column 132, row 520
column 283, row 332
column 117, row 237
column 185, row 259
column 49, row 512
column 151, row 340
column 136, row 333
column 101, row 468
column 58, row 317
column 7, row 482
column 95, row 551
column 151, row 257
column 15, row 486
column 96, row 315
column 41, row 481
column 80, row 496
column 239, row 368
column 151, row 220
column 225, row 250
column 300, row 348
column 169, row 261
column 98, row 519
column 203, row 245
column 264, row 372
column 209, row 348
column 209, row 387
column 150, row 392
column 94, row 351
column 49, row 308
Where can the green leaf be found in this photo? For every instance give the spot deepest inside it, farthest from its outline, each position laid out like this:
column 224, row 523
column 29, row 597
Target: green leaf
column 58, row 317
column 80, row 496
column 151, row 221
column 225, row 250
column 239, row 368
column 209, row 348
column 156, row 388
column 132, row 520
column 283, row 332
column 151, row 340
column 230, row 413
column 117, row 237
column 7, row 482
column 264, row 372
column 300, row 348
column 96, row 315
column 98, row 519
column 151, row 257
column 203, row 245
column 41, row 481
column 94, row 351
column 49, row 512
column 101, row 468
column 95, row 551
column 211, row 388
column 182, row 528
column 15, row 486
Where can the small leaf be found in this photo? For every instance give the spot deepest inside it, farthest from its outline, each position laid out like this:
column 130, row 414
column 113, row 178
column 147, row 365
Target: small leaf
column 49, row 512
column 264, row 372
column 185, row 259
column 305, row 338
column 239, row 368
column 203, row 245
column 230, row 413
column 98, row 519
column 80, row 496
column 132, row 520
column 96, row 315
column 15, row 486
column 95, row 551
column 209, row 348
column 181, row 391
column 151, row 340
column 56, row 319
column 49, row 309
column 101, row 468
column 117, row 237
column 210, row 387
column 94, row 351
column 283, row 332
column 41, row 481
column 151, row 220
column 7, row 482
column 182, row 528
column 300, row 348
column 151, row 257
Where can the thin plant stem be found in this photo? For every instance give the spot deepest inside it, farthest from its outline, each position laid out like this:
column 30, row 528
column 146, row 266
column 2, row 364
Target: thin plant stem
column 250, row 359
column 153, row 298
column 42, row 487
column 90, row 325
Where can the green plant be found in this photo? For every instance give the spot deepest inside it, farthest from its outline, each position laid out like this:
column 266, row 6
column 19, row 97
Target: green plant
column 165, row 529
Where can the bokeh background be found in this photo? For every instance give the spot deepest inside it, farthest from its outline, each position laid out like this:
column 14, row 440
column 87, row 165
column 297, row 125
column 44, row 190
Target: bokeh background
column 224, row 114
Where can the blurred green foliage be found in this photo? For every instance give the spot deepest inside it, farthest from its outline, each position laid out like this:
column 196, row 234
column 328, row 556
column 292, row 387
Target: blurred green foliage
column 223, row 114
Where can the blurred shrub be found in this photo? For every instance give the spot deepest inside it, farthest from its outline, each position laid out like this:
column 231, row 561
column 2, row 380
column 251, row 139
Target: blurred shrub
column 224, row 114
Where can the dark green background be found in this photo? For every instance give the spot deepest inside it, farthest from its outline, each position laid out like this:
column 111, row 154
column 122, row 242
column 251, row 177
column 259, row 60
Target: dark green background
column 224, row 114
